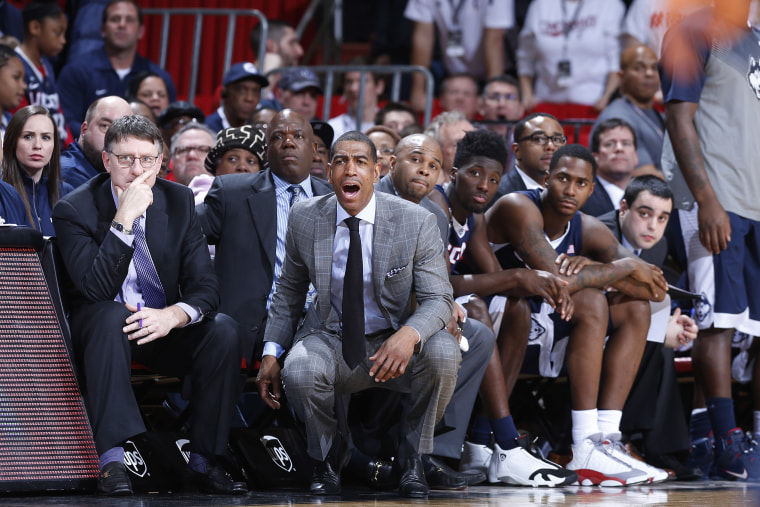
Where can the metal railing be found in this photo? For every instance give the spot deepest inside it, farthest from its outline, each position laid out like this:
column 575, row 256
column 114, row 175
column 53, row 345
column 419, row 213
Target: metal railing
column 232, row 15
column 396, row 71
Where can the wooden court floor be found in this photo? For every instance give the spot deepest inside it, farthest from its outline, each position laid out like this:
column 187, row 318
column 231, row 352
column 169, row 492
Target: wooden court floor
column 695, row 494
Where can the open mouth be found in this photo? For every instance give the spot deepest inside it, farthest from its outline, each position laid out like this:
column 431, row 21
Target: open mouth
column 350, row 189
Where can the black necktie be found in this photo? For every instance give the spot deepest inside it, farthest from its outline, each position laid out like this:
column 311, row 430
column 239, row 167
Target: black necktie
column 353, row 298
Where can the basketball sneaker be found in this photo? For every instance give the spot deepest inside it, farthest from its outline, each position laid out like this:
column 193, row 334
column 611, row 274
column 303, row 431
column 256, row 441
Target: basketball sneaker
column 616, row 449
column 524, row 466
column 475, row 457
column 596, row 465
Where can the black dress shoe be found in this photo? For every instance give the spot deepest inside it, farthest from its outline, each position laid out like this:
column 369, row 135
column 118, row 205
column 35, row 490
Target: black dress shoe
column 216, row 480
column 441, row 476
column 114, row 480
column 413, row 483
column 325, row 481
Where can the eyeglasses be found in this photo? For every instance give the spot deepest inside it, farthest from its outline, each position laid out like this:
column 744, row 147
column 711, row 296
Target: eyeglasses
column 542, row 139
column 181, row 150
column 127, row 160
column 496, row 97
column 385, row 151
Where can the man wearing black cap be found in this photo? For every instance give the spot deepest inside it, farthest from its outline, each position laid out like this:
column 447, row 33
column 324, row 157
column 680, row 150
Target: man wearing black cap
column 241, row 92
column 298, row 89
column 176, row 116
column 246, row 216
column 323, row 137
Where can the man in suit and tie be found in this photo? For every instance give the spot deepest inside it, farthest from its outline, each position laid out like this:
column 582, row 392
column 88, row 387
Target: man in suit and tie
column 536, row 138
column 144, row 289
column 383, row 301
column 246, row 216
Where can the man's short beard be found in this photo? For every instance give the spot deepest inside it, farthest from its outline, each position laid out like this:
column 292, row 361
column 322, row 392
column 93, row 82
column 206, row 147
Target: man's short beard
column 94, row 157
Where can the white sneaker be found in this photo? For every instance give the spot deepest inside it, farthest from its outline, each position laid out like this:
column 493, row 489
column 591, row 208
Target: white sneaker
column 621, row 452
column 475, row 457
column 595, row 465
column 522, row 467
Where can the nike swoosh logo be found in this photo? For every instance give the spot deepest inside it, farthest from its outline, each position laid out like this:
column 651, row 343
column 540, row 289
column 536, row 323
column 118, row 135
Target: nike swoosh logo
column 102, row 91
column 742, row 476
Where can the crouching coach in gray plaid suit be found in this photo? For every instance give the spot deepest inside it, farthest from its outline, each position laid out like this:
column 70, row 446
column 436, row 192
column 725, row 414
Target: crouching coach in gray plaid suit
column 404, row 296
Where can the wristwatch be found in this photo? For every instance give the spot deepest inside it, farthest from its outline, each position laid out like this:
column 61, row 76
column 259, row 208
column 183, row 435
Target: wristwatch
column 120, row 227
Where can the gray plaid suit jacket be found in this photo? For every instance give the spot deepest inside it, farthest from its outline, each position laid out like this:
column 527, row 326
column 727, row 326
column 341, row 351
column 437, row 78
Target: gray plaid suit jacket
column 407, row 261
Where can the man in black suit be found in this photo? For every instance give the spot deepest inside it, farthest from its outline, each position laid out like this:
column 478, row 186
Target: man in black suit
column 614, row 146
column 246, row 216
column 537, row 137
column 144, row 289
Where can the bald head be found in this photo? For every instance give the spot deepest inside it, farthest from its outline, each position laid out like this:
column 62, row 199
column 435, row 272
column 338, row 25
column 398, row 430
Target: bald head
column 639, row 79
column 417, row 166
column 291, row 146
column 99, row 117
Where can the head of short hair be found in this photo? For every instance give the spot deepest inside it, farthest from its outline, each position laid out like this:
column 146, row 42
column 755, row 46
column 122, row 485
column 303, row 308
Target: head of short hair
column 191, row 125
column 502, row 78
column 609, row 124
column 458, row 76
column 414, row 128
column 12, row 172
column 445, row 118
column 394, row 107
column 573, row 151
column 39, row 10
column 275, row 30
column 650, row 183
column 355, row 135
column 136, row 126
column 384, row 130
column 520, row 126
column 6, row 53
column 361, row 60
column 104, row 16
column 481, row 143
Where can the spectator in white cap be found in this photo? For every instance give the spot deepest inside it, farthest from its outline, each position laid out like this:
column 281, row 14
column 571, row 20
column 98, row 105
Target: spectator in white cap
column 241, row 92
column 298, row 89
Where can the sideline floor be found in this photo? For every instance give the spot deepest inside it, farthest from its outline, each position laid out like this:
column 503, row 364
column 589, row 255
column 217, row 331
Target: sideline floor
column 695, row 494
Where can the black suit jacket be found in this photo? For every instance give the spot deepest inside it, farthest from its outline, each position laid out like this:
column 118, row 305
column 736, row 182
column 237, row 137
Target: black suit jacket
column 239, row 216
column 655, row 255
column 98, row 261
column 599, row 201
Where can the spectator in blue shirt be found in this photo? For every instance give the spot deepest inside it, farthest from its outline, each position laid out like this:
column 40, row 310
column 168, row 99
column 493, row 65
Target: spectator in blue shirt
column 108, row 71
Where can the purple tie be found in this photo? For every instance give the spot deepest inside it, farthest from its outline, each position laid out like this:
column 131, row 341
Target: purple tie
column 147, row 276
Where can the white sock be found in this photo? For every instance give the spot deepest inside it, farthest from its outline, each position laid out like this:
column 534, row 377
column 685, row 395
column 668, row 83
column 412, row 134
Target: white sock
column 609, row 421
column 756, row 415
column 584, row 424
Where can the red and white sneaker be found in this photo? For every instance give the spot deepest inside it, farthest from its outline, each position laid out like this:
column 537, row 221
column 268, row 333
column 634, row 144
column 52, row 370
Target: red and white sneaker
column 616, row 449
column 595, row 464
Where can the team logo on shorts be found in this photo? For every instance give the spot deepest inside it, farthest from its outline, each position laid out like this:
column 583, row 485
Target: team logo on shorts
column 753, row 75
column 703, row 308
column 536, row 330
